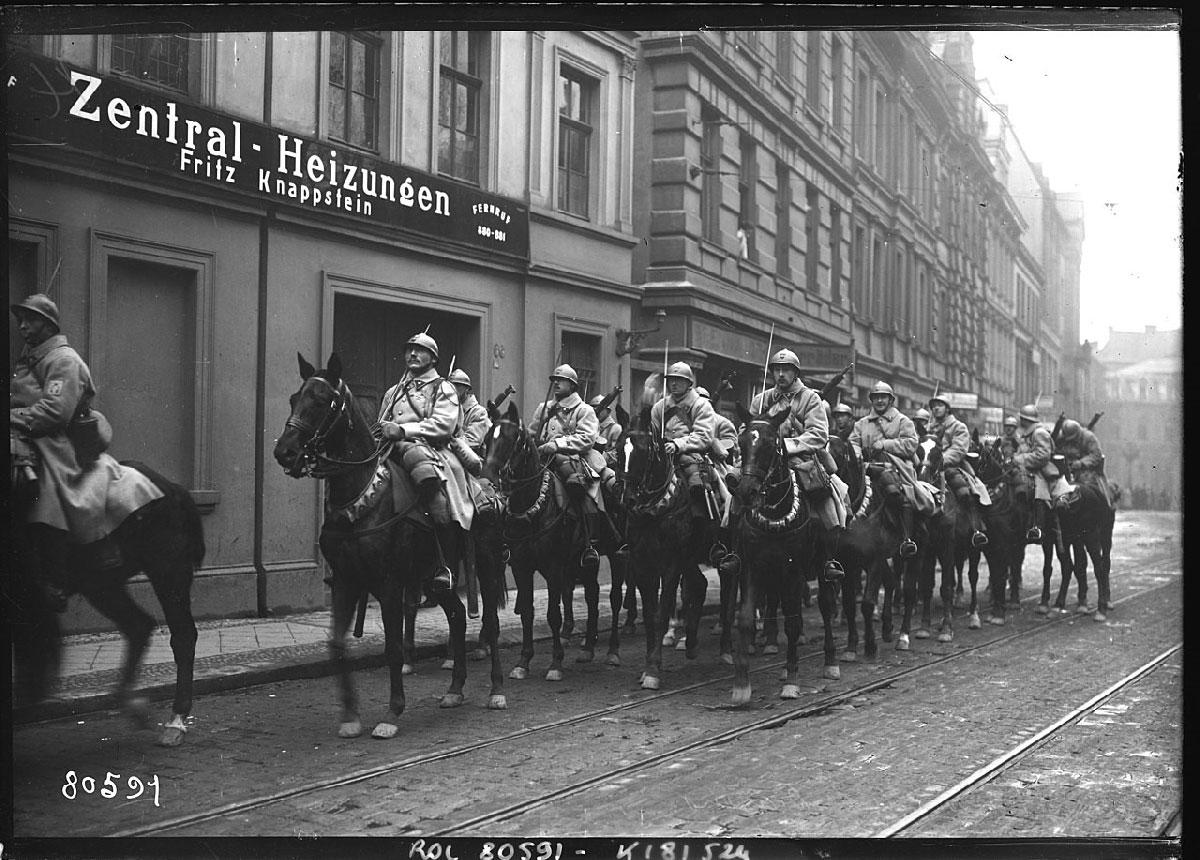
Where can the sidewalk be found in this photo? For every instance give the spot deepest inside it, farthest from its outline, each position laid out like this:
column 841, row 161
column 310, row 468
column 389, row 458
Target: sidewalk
column 233, row 653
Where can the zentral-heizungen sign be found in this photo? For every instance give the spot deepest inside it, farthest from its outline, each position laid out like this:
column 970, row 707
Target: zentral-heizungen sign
column 113, row 118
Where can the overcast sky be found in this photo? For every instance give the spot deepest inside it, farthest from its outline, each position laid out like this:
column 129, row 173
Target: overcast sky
column 1100, row 111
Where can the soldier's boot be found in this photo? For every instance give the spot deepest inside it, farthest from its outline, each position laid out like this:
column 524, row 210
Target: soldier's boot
column 589, row 559
column 612, row 505
column 54, row 550
column 448, row 541
column 908, row 547
column 971, row 505
column 833, row 570
column 1034, row 534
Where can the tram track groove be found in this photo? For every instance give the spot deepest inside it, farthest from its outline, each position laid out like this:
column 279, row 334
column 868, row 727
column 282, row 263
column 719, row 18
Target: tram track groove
column 513, row 810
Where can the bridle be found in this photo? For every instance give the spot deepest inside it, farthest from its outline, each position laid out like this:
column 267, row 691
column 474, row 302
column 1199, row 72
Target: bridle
column 781, row 489
column 313, row 460
column 522, row 450
column 653, row 499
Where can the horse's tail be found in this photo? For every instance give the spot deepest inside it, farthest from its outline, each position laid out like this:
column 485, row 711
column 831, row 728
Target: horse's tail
column 191, row 513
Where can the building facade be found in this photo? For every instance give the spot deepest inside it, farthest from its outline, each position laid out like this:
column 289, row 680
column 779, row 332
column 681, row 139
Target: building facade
column 210, row 205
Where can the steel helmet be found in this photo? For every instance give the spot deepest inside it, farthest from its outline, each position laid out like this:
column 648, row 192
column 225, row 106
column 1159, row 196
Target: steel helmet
column 882, row 387
column 681, row 370
column 1071, row 429
column 938, row 398
column 703, row 392
column 459, row 377
column 1010, row 421
column 40, row 304
column 565, row 371
column 922, row 414
column 1029, row 412
column 843, row 409
column 596, row 401
column 424, row 341
column 785, row 357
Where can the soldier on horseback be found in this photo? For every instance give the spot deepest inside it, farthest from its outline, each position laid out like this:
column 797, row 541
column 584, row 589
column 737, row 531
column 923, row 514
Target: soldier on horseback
column 805, row 433
column 843, row 421
column 607, row 438
column 687, row 423
column 887, row 440
column 420, row 414
column 1010, row 437
column 473, row 422
column 566, row 429
column 82, row 493
column 724, row 448
column 920, row 421
column 951, row 436
column 1035, row 448
column 1084, row 458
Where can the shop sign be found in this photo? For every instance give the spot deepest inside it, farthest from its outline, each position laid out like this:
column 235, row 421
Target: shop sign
column 53, row 104
column 823, row 357
column 992, row 414
column 961, row 400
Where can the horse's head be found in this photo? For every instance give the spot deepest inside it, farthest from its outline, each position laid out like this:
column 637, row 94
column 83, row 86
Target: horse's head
column 643, row 461
column 323, row 413
column 507, row 447
column 931, row 460
column 761, row 448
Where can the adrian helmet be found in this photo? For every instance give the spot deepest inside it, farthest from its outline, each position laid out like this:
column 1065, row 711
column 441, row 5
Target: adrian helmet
column 596, row 401
column 40, row 304
column 565, row 371
column 843, row 409
column 1071, row 429
column 459, row 377
column 681, row 370
column 882, row 387
column 1029, row 412
column 703, row 392
column 939, row 398
column 922, row 414
column 424, row 341
column 785, row 357
column 1010, row 421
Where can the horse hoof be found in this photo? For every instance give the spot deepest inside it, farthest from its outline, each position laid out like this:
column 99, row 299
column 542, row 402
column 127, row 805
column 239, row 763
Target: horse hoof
column 138, row 710
column 385, row 731
column 498, row 703
column 450, row 700
column 789, row 691
column 848, row 657
column 1043, row 609
column 407, row 669
column 649, row 682
column 172, row 736
column 1099, row 616
column 832, row 673
column 973, row 622
column 554, row 675
column 770, row 649
column 727, row 659
column 996, row 620
column 448, row 663
column 681, row 644
column 902, row 642
column 585, row 657
column 351, row 729
column 519, row 673
column 741, row 695
column 613, row 659
column 921, row 633
column 668, row 640
column 1082, row 609
column 946, row 636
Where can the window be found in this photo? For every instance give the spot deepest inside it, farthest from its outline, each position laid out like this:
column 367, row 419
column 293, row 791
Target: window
column 837, row 67
column 862, row 120
column 582, row 352
column 858, row 276
column 783, row 219
column 710, row 179
column 812, row 85
column 876, row 281
column 166, row 60
column 460, row 102
column 880, row 126
column 783, row 56
column 575, row 119
column 747, row 206
column 354, row 89
column 835, row 253
column 812, row 250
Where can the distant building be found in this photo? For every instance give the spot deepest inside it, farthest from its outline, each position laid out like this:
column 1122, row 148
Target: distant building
column 1142, row 401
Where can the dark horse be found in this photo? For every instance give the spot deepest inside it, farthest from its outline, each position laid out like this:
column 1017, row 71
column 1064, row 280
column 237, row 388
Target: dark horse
column 775, row 527
column 370, row 545
column 163, row 539
column 1007, row 518
column 663, row 538
column 948, row 547
column 871, row 543
column 1085, row 520
column 540, row 536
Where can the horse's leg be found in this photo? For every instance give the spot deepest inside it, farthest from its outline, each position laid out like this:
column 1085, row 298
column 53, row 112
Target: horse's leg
column 695, row 587
column 849, row 590
column 553, row 573
column 973, row 580
column 412, row 599
column 618, row 567
column 1048, row 552
column 925, row 566
column 1079, row 551
column 869, row 595
column 997, row 583
column 827, row 599
column 112, row 600
column 649, row 583
column 344, row 601
column 947, row 591
column 770, row 612
column 887, row 575
column 1066, row 562
column 670, row 595
column 591, row 594
column 751, row 565
column 456, row 622
column 1100, row 562
column 171, row 579
column 523, row 576
column 391, row 596
column 729, row 584
column 906, row 575
column 567, row 578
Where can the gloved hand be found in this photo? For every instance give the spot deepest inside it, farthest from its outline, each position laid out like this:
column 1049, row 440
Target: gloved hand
column 877, row 446
column 670, row 448
column 547, row 448
column 391, row 430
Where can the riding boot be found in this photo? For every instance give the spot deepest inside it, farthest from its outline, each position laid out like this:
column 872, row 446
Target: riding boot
column 979, row 538
column 908, row 547
column 1034, row 534
column 445, row 577
column 833, row 570
column 54, row 549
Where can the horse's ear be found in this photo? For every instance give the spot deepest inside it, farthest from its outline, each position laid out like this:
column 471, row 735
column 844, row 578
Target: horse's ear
column 743, row 413
column 333, row 370
column 622, row 416
column 511, row 414
column 779, row 417
column 306, row 369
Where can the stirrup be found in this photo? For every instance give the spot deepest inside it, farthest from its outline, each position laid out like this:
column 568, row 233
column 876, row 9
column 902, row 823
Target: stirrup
column 979, row 539
column 1034, row 535
column 833, row 571
column 589, row 558
column 621, row 552
column 908, row 548
column 730, row 564
column 718, row 552
column 443, row 580
column 505, row 555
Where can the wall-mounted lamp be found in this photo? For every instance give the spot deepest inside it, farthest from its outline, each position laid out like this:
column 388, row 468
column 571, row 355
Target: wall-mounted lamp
column 628, row 341
column 694, row 171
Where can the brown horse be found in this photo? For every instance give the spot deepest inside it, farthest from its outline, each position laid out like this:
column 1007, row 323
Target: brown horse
column 371, row 545
column 164, row 540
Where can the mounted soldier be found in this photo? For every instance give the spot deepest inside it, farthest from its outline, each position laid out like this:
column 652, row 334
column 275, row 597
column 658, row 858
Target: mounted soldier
column 566, row 429
column 687, row 423
column 1084, row 458
column 1035, row 449
column 920, row 421
column 473, row 422
column 420, row 414
column 843, row 422
column 83, row 494
column 805, row 433
column 724, row 448
column 1009, row 436
column 887, row 439
column 607, row 438
column 953, row 439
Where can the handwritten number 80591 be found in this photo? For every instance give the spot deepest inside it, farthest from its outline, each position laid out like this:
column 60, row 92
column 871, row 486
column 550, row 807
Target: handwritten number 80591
column 74, row 784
